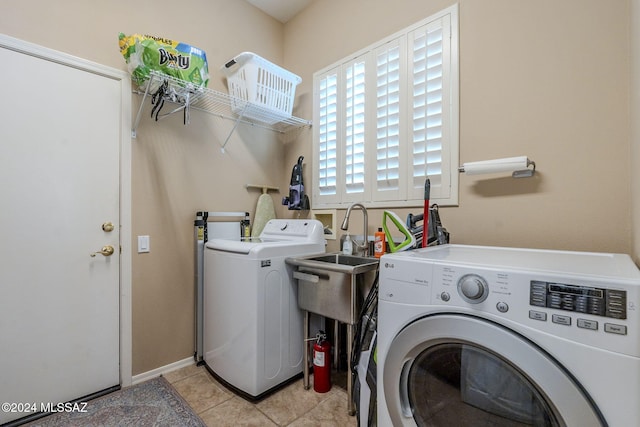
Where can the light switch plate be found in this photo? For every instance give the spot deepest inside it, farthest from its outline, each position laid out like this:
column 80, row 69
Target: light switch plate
column 143, row 244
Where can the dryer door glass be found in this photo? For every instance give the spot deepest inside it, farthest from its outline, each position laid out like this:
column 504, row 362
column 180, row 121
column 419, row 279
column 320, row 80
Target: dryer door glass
column 453, row 369
column 468, row 385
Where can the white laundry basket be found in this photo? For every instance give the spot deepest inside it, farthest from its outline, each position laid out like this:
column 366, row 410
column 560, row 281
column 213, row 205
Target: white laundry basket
column 260, row 89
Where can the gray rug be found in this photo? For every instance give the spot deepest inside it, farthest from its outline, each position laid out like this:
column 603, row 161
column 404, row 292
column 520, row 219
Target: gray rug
column 151, row 403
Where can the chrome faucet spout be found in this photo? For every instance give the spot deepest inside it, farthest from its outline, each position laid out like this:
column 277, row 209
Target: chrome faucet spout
column 364, row 246
column 345, row 223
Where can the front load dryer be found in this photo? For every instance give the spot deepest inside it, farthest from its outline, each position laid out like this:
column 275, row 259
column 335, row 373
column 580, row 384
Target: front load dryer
column 253, row 328
column 472, row 336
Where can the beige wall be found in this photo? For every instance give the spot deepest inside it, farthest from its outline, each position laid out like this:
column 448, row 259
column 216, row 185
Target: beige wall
column 546, row 79
column 177, row 169
column 543, row 78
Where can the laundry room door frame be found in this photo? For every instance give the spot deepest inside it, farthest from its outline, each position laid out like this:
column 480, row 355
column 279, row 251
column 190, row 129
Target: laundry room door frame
column 125, row 217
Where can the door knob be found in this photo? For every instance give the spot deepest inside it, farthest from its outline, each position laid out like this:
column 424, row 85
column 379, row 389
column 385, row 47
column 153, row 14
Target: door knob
column 108, row 226
column 107, row 250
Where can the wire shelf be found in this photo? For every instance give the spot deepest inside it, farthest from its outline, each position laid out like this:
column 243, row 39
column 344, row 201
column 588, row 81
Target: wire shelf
column 187, row 96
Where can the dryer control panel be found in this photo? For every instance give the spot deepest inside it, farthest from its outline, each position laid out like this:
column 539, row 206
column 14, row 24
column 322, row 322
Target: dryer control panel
column 581, row 299
column 590, row 298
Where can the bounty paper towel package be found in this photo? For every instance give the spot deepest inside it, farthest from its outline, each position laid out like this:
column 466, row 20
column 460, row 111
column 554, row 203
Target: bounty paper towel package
column 144, row 53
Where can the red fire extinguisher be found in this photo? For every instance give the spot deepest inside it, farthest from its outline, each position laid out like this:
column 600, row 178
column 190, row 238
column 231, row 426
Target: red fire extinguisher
column 321, row 364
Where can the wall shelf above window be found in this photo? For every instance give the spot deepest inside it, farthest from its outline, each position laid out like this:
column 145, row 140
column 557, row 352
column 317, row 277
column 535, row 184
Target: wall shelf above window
column 181, row 97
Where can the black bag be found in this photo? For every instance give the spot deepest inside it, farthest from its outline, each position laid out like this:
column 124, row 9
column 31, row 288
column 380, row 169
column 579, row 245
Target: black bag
column 438, row 235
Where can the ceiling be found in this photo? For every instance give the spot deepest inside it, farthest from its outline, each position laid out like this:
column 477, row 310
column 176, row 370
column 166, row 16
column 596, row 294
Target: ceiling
column 282, row 10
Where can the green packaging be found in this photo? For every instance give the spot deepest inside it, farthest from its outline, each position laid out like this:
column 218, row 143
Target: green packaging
column 144, row 53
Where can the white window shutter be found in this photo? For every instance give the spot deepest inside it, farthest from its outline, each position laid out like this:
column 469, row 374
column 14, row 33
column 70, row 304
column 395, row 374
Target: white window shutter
column 354, row 73
column 390, row 136
column 429, row 69
column 326, row 161
column 386, row 118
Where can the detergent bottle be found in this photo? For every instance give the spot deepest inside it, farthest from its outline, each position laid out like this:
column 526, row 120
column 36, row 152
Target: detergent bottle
column 379, row 243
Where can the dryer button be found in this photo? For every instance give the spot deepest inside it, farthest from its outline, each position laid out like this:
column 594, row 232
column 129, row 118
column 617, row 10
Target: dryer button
column 561, row 320
column 612, row 328
column 588, row 324
column 445, row 296
column 537, row 315
column 502, row 307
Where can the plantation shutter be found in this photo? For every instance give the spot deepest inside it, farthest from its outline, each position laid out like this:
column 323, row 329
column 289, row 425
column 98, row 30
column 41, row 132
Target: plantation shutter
column 386, row 118
column 429, row 74
column 388, row 130
column 354, row 129
column 326, row 165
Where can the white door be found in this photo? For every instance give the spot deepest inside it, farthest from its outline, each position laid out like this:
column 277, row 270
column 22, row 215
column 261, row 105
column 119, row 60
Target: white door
column 60, row 132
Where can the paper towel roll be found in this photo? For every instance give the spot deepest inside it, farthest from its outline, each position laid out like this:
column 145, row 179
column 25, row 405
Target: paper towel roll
column 509, row 164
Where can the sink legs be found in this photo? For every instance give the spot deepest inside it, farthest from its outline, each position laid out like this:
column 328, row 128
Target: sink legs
column 350, row 333
column 306, row 351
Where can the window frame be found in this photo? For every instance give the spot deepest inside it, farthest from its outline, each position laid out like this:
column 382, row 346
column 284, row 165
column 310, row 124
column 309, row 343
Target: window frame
column 406, row 195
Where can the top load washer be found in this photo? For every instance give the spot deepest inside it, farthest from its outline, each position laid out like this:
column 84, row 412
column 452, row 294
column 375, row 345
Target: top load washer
column 253, row 328
column 471, row 335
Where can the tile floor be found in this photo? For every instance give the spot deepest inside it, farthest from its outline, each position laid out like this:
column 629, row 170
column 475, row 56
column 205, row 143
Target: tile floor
column 291, row 406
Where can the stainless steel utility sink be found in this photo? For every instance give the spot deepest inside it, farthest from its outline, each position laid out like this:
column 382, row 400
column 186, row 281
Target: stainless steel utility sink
column 334, row 286
column 350, row 264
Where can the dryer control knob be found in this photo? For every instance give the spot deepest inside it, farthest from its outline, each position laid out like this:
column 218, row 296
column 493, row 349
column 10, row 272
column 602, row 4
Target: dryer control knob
column 473, row 288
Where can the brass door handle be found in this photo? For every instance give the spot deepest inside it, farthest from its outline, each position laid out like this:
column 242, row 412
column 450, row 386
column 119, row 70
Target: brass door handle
column 107, row 250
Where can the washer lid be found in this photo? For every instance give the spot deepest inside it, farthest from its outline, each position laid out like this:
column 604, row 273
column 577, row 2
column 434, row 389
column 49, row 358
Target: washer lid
column 279, row 237
column 243, row 246
column 261, row 248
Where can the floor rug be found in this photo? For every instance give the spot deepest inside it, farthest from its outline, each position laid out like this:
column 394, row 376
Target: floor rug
column 151, row 403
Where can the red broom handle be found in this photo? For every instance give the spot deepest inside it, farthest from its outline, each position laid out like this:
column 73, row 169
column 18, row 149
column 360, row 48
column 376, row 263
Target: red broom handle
column 425, row 221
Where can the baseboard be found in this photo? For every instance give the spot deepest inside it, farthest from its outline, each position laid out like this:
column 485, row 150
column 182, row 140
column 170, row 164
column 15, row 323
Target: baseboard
column 136, row 379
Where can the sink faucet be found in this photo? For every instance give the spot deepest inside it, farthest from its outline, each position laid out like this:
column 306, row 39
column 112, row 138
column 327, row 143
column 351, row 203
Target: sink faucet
column 364, row 246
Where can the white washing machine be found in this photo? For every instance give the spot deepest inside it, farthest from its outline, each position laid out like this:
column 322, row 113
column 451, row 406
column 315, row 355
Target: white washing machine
column 252, row 328
column 472, row 336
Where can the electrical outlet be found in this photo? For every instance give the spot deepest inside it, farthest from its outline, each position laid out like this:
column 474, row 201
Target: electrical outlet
column 143, row 244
